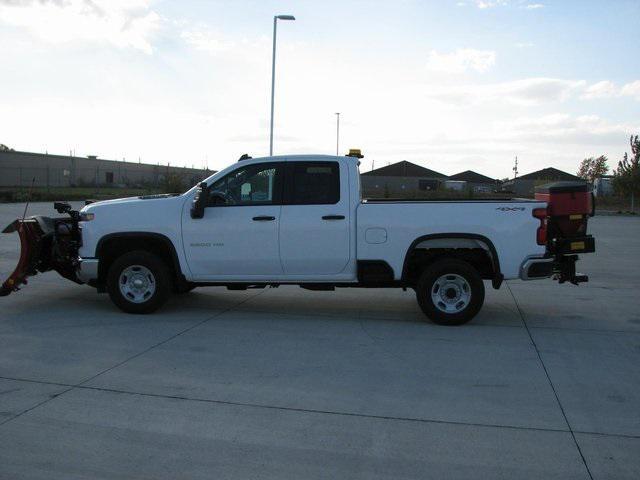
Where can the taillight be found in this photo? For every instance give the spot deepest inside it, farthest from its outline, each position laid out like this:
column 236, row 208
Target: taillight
column 541, row 234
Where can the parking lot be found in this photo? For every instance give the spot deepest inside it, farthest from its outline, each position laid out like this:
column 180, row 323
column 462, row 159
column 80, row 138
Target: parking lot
column 289, row 383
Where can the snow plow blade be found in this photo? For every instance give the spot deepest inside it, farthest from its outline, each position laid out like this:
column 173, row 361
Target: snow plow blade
column 32, row 241
column 45, row 244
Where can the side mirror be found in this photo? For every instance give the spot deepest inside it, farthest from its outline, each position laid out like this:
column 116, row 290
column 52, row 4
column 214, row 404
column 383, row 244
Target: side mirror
column 200, row 201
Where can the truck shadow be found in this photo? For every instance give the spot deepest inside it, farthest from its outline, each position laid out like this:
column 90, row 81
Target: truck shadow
column 54, row 305
column 347, row 303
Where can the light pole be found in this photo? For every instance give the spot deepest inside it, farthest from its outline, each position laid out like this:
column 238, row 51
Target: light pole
column 337, row 133
column 273, row 73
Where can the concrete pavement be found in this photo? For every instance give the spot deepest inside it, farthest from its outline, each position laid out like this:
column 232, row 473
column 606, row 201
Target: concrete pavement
column 289, row 383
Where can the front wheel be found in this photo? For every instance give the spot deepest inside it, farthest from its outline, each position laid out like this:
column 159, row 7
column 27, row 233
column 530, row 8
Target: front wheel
column 138, row 282
column 450, row 292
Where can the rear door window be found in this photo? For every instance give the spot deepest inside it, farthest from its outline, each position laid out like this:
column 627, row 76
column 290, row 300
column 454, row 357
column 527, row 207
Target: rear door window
column 312, row 183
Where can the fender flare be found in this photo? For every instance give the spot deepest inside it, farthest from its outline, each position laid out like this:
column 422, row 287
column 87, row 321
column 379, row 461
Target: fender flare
column 495, row 261
column 149, row 235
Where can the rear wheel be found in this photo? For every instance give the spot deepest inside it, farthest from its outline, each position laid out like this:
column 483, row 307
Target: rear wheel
column 138, row 282
column 450, row 292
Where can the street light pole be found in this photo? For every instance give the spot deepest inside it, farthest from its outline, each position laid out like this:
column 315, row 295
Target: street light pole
column 337, row 133
column 273, row 73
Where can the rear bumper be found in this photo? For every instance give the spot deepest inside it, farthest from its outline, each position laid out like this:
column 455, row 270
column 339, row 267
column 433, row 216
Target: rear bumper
column 560, row 267
column 536, row 268
column 87, row 269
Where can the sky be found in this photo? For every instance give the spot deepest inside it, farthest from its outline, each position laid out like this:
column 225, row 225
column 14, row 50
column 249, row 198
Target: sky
column 449, row 85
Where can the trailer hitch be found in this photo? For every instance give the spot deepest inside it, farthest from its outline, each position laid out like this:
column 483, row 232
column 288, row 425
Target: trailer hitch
column 565, row 270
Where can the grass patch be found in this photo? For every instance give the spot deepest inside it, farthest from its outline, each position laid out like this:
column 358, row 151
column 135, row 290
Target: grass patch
column 42, row 194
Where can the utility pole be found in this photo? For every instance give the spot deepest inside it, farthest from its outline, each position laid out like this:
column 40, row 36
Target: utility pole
column 515, row 169
column 337, row 133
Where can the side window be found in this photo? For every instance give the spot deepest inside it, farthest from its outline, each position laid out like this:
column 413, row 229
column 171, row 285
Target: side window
column 258, row 184
column 314, row 183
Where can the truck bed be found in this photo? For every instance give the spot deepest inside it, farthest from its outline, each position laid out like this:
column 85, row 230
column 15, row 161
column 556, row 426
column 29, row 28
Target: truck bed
column 445, row 199
column 387, row 229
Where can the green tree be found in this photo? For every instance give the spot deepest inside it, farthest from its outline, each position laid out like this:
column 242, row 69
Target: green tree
column 592, row 168
column 4, row 148
column 626, row 179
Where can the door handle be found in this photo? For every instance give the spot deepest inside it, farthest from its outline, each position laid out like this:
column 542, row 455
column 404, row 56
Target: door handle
column 333, row 217
column 263, row 219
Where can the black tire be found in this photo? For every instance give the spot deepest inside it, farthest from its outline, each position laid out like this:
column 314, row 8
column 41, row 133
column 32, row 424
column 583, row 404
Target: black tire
column 442, row 279
column 139, row 263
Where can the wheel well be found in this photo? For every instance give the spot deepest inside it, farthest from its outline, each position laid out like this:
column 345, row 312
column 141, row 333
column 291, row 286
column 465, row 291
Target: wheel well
column 421, row 258
column 475, row 250
column 113, row 246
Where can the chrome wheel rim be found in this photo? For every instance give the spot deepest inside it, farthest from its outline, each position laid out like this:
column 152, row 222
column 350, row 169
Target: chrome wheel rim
column 137, row 283
column 451, row 293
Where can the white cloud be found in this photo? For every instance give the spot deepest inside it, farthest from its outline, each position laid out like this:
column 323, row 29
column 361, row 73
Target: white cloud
column 207, row 40
column 608, row 89
column 603, row 89
column 486, row 4
column 631, row 89
column 529, row 91
column 562, row 128
column 122, row 23
column 532, row 91
column 483, row 4
column 461, row 60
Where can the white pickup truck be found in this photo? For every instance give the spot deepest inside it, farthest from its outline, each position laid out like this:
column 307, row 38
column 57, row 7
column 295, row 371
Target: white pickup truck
column 298, row 220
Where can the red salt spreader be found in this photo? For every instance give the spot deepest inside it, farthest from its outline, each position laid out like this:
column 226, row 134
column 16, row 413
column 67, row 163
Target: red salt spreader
column 569, row 206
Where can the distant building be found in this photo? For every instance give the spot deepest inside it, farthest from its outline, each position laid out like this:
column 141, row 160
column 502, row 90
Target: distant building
column 603, row 186
column 525, row 185
column 476, row 182
column 399, row 178
column 20, row 168
column 455, row 185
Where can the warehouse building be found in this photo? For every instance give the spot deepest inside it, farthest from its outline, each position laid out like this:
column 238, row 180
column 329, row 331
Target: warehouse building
column 476, row 182
column 525, row 185
column 398, row 179
column 21, row 168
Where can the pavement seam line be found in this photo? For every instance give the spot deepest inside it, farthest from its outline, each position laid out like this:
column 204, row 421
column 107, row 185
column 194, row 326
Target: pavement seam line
column 325, row 412
column 288, row 409
column 172, row 337
column 553, row 388
column 80, row 384
column 33, row 407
